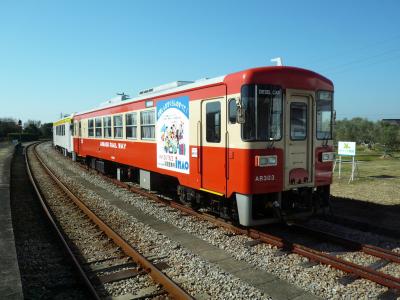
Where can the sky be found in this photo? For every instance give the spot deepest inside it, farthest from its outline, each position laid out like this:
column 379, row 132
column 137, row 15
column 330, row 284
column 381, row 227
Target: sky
column 69, row 56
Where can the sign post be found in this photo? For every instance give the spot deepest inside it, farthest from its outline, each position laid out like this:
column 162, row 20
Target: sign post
column 347, row 149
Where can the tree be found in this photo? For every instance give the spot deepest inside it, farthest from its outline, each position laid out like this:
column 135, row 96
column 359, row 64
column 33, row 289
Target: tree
column 8, row 125
column 32, row 127
column 46, row 130
column 357, row 129
column 389, row 137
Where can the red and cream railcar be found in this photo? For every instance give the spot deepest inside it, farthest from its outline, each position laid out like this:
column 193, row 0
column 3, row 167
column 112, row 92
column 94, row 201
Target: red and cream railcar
column 255, row 145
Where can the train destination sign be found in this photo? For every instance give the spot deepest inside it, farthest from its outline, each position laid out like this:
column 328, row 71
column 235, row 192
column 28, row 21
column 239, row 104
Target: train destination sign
column 172, row 135
column 347, row 148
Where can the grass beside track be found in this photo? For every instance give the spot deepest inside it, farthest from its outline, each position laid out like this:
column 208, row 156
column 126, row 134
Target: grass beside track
column 378, row 179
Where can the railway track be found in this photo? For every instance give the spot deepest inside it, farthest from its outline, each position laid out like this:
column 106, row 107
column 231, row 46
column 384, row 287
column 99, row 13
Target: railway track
column 240, row 235
column 354, row 270
column 119, row 262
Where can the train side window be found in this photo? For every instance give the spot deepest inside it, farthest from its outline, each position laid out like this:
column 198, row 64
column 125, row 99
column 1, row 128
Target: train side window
column 131, row 126
column 213, row 122
column 232, row 111
column 80, row 129
column 91, row 128
column 107, row 127
column 98, row 125
column 324, row 115
column 147, row 124
column 117, row 127
column 298, row 121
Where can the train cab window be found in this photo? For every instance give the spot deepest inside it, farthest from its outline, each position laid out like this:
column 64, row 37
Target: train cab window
column 262, row 106
column 90, row 128
column 98, row 130
column 117, row 127
column 298, row 121
column 130, row 125
column 324, row 115
column 147, row 124
column 107, row 127
column 232, row 111
column 213, row 122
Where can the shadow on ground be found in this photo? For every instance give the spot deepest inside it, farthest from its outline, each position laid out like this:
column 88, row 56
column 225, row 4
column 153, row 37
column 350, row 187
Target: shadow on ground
column 382, row 219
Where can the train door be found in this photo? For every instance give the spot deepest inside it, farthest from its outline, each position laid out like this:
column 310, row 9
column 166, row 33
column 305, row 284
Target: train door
column 299, row 158
column 78, row 134
column 213, row 150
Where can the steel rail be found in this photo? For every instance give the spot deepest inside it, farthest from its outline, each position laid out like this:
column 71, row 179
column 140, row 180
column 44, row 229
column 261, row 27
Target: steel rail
column 336, row 262
column 170, row 286
column 366, row 248
column 50, row 217
column 314, row 255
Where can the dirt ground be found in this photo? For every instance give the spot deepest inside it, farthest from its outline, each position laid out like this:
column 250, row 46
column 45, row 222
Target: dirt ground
column 377, row 181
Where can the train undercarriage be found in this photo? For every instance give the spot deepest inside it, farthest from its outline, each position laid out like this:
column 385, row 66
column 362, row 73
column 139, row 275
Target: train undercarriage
column 260, row 209
column 247, row 210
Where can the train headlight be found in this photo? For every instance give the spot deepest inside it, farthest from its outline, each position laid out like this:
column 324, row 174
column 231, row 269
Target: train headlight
column 328, row 156
column 266, row 161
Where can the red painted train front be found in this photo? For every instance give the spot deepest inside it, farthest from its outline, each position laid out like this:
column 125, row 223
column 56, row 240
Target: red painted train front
column 254, row 146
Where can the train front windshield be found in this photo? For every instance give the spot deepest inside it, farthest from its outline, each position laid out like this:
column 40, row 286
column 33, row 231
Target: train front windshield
column 263, row 112
column 324, row 115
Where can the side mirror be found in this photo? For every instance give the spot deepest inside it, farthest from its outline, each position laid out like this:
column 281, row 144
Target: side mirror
column 240, row 111
column 334, row 117
column 240, row 117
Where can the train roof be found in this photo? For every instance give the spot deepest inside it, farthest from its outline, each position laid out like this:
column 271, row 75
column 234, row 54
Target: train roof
column 283, row 76
column 146, row 96
column 289, row 76
column 66, row 119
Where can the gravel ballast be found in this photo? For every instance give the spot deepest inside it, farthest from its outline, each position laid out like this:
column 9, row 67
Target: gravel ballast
column 321, row 280
column 198, row 277
column 45, row 268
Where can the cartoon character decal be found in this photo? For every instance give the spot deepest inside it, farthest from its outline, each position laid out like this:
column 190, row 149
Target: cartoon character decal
column 172, row 129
